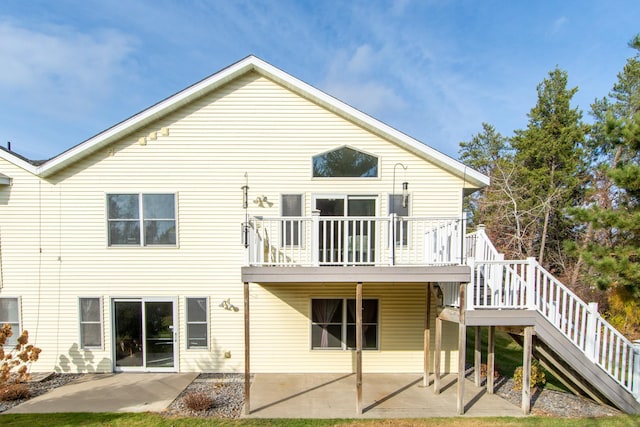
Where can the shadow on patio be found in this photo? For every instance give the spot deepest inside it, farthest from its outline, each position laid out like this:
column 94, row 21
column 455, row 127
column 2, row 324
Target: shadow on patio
column 384, row 396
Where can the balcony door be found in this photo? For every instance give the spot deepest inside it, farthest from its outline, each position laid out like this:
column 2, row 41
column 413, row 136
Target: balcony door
column 144, row 335
column 347, row 236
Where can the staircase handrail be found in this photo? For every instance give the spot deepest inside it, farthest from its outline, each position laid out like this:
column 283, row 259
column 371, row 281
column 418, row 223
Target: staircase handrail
column 579, row 322
column 480, row 247
column 583, row 325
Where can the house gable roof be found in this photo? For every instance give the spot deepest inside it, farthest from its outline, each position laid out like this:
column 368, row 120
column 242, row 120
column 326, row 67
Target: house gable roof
column 472, row 178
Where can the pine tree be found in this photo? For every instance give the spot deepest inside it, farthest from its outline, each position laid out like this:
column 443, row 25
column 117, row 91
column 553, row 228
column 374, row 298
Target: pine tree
column 549, row 152
column 613, row 250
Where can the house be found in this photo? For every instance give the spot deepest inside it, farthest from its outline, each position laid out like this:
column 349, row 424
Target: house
column 251, row 223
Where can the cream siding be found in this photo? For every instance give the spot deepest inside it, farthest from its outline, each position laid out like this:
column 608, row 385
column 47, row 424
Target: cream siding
column 250, row 125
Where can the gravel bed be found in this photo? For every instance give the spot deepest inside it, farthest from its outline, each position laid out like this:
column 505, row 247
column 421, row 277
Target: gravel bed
column 226, row 391
column 37, row 387
column 553, row 403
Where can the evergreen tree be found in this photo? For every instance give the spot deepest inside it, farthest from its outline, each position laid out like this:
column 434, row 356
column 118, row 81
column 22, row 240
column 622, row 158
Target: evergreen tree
column 612, row 251
column 549, row 154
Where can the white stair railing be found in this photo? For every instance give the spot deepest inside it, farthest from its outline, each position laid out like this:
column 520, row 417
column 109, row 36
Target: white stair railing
column 515, row 284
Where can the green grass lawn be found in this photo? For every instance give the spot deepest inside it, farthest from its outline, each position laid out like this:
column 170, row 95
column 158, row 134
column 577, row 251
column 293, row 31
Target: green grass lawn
column 147, row 419
column 508, row 356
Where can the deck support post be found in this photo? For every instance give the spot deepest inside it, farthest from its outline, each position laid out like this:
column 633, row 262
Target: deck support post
column 437, row 356
column 477, row 356
column 247, row 353
column 359, row 348
column 462, row 342
column 526, row 370
column 427, row 337
column 491, row 358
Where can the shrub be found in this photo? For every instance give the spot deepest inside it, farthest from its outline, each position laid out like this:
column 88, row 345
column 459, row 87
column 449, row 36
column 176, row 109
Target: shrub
column 483, row 371
column 15, row 363
column 10, row 392
column 198, row 401
column 537, row 376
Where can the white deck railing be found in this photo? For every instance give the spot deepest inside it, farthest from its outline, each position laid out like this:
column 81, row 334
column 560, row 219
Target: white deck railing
column 515, row 284
column 330, row 240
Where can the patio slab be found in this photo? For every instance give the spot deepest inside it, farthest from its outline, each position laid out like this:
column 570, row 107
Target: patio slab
column 123, row 392
column 384, row 396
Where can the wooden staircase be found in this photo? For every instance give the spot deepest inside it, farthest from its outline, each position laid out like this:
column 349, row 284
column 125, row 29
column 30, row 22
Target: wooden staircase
column 571, row 338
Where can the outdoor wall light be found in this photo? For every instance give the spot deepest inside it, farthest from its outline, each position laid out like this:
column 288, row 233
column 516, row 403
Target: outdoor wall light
column 262, row 202
column 226, row 304
column 405, row 193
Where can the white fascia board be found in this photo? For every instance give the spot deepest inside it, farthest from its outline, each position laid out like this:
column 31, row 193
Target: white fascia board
column 18, row 162
column 472, row 176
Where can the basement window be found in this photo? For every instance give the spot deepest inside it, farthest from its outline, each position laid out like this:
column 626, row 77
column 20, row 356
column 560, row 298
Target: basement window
column 333, row 324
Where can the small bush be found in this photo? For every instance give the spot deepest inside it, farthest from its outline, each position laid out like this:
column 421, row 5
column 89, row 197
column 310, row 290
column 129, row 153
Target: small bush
column 537, row 376
column 9, row 392
column 198, row 401
column 15, row 363
column 483, row 371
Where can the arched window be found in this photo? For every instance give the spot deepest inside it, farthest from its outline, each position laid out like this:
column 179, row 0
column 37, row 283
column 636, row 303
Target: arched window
column 345, row 162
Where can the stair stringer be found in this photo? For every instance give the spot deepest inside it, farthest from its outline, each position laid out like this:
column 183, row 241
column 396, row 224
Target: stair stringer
column 583, row 366
column 546, row 332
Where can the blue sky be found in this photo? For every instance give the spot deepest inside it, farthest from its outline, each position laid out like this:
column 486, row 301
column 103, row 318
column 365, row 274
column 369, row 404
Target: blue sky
column 433, row 69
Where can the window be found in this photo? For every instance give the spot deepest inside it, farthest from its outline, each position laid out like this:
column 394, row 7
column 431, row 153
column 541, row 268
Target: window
column 333, row 324
column 10, row 313
column 401, row 226
column 197, row 325
column 291, row 229
column 156, row 225
column 345, row 162
column 90, row 322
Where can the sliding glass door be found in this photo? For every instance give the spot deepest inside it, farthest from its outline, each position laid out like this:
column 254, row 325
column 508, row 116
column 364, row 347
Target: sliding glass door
column 144, row 335
column 346, row 240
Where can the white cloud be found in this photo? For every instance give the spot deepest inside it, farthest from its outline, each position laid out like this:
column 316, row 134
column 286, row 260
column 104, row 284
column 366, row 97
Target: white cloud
column 352, row 78
column 558, row 24
column 58, row 69
column 370, row 97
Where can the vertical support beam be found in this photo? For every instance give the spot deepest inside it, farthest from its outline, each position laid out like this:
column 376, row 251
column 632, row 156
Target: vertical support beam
column 427, row 337
column 477, row 356
column 437, row 356
column 491, row 359
column 359, row 348
column 592, row 344
column 531, row 283
column 315, row 238
column 247, row 353
column 462, row 343
column 526, row 370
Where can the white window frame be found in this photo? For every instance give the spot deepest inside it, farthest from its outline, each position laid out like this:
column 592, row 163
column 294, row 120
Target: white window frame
column 90, row 322
column 301, row 223
column 13, row 340
column 378, row 172
column 141, row 220
column 206, row 323
column 344, row 325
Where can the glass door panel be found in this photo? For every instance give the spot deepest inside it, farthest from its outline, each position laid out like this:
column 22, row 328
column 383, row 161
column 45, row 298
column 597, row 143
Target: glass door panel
column 331, row 231
column 361, row 232
column 159, row 334
column 128, row 334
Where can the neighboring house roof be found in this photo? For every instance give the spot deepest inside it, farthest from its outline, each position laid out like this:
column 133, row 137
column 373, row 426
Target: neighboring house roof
column 249, row 64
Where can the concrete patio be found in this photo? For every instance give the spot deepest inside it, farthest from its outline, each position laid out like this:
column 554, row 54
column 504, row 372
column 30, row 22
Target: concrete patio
column 384, row 396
